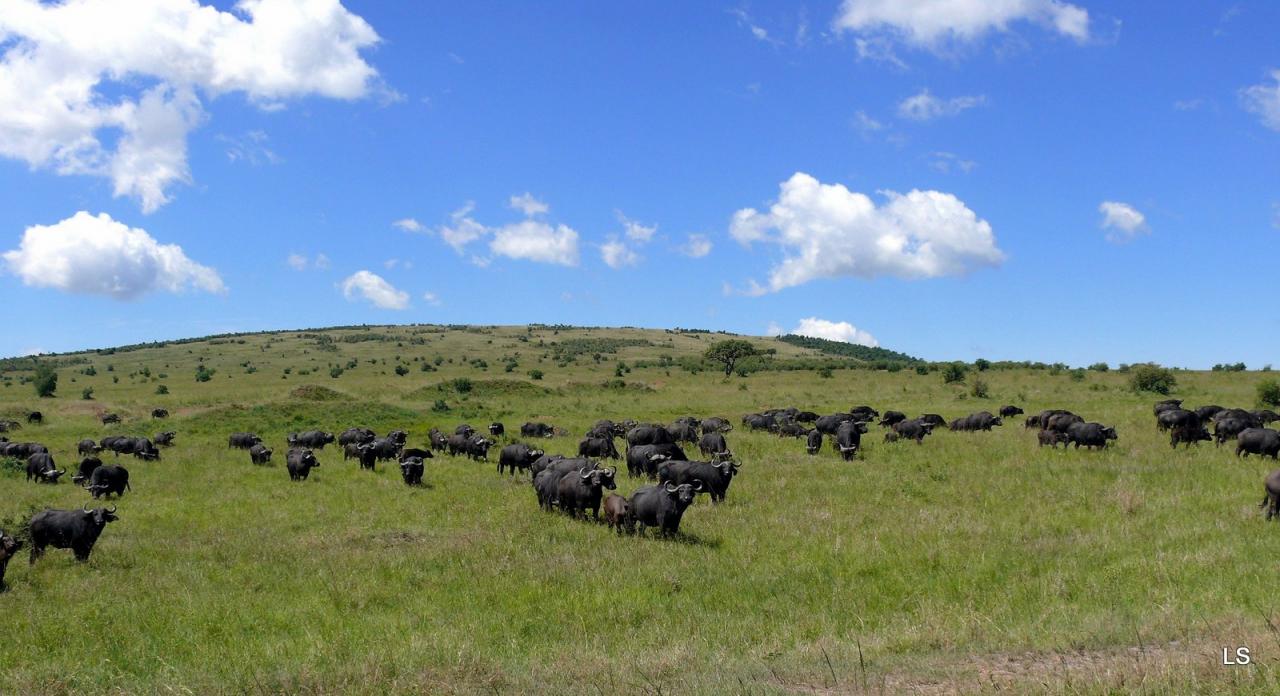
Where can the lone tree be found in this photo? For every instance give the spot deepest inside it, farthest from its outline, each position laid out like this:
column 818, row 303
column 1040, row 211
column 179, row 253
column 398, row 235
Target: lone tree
column 45, row 380
column 728, row 353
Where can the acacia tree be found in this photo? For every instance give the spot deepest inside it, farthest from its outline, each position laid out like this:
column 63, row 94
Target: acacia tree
column 728, row 353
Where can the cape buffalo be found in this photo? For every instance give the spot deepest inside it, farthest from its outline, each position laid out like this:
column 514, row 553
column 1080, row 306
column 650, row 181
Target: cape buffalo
column 40, row 466
column 661, row 506
column 1270, row 502
column 813, row 443
column 165, row 439
column 1261, row 441
column 715, row 477
column 914, row 429
column 1176, row 418
column 714, row 445
column 86, row 469
column 35, row 417
column 716, row 424
column 1189, row 435
column 242, row 440
column 891, row 417
column 1010, row 411
column 109, row 479
column 1090, row 435
column 827, row 425
column 300, row 462
column 616, row 510
column 356, row 436
column 1052, row 438
column 159, row 413
column 598, row 447
column 643, row 460
column 1228, row 428
column 517, row 456
column 311, row 439
column 9, row 548
column 496, row 429
column 259, row 454
column 649, row 435
column 109, row 418
column 87, row 447
column 849, row 439
column 411, row 470
column 77, row 530
column 581, row 490
column 536, row 430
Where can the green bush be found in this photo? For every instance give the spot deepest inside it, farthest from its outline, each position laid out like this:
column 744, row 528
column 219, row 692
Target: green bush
column 162, row 390
column 1099, row 367
column 87, row 394
column 336, row 372
column 982, row 364
column 439, row 406
column 1269, row 393
column 45, row 380
column 462, row 385
column 1151, row 378
column 204, row 374
column 535, row 374
column 955, row 372
column 979, row 388
column 402, row 370
column 922, row 369
column 825, row 373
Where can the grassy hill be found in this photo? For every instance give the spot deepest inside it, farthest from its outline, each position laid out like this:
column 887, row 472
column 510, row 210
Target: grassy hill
column 973, row 562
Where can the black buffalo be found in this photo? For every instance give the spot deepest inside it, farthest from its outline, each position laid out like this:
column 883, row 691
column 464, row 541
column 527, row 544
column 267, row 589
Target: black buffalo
column 982, row 420
column 356, row 436
column 87, row 447
column 849, row 438
column 644, row 460
column 243, row 440
column 9, row 548
column 86, row 469
column 438, row 440
column 715, row 476
column 77, row 530
column 40, row 466
column 1270, row 502
column 465, row 430
column 1206, row 413
column 891, row 417
column 300, row 462
column 813, row 443
column 1053, row 438
column 1228, row 429
column 109, row 418
column 598, row 447
column 914, row 429
column 1165, row 405
column 649, row 435
column 716, row 424
column 159, row 413
column 311, row 439
column 109, row 479
column 478, row 448
column 827, row 425
column 1189, row 435
column 411, row 470
column 259, row 454
column 582, row 490
column 714, row 445
column 496, row 429
column 661, row 507
column 1010, row 411
column 683, row 432
column 35, row 417
column 1090, row 435
column 517, row 456
column 1261, row 441
column 536, row 430
column 1059, row 422
column 165, row 439
column 1171, row 418
column 759, row 421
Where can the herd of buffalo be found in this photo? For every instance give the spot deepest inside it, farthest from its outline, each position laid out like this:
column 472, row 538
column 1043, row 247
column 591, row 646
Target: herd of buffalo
column 576, row 483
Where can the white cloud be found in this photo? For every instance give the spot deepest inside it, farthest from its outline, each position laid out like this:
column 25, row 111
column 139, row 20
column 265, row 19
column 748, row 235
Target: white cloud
column 1188, row 104
column 409, row 225
column 947, row 162
column 431, row 298
column 299, row 262
column 464, row 229
column 926, row 107
column 697, row 246
column 617, row 254
column 758, row 32
column 865, row 124
column 1123, row 219
column 933, row 24
column 533, row 240
column 90, row 255
column 773, row 329
column 529, row 205
column 841, row 331
column 830, row 232
column 321, row 262
column 1264, row 101
column 87, row 87
column 392, row 264
column 636, row 230
column 251, row 148
column 372, row 287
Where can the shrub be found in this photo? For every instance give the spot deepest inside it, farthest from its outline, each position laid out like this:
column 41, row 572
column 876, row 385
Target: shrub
column 462, row 385
column 922, row 369
column 336, row 372
column 1099, row 367
column 1152, row 378
column 402, row 370
column 87, row 394
column 1077, row 375
column 439, row 406
column 979, row 388
column 825, row 373
column 204, row 374
column 535, row 374
column 162, row 390
column 955, row 372
column 46, row 380
column 89, row 371
column 982, row 364
column 1269, row 393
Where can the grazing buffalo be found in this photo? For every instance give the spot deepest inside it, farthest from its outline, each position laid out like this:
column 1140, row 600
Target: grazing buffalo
column 914, row 429
column 517, row 456
column 1053, row 438
column 715, row 476
column 165, row 439
column 714, row 445
column 311, row 439
column 759, row 421
column 1031, row 422
column 159, row 413
column 1260, row 441
column 351, row 450
column 385, row 448
column 457, row 444
column 683, row 432
column 478, row 448
column 1265, row 416
column 544, row 462
column 77, row 530
column 496, row 429
column 864, row 413
column 9, row 548
column 1010, row 411
column 827, row 425
column 891, row 417
column 661, row 506
column 813, row 443
column 411, row 470
column 933, row 420
column 1090, row 435
column 438, row 440
column 1042, row 419
column 399, row 437
column 9, row 425
column 35, row 417
column 1165, row 405
column 649, row 435
column 40, row 466
column 581, row 490
column 806, row 416
column 536, row 430
column 982, row 420
column 109, row 418
column 598, row 447
column 849, row 439
column 716, row 424
column 1206, row 413
column 87, row 447
column 139, row 447
column 616, row 510
column 1059, row 422
column 243, row 440
column 1270, row 502
column 791, row 428
column 464, row 430
column 109, row 479
column 1228, row 429
column 1189, row 435
column 415, row 452
column 22, row 450
column 85, row 471
column 644, row 460
column 259, row 454
column 1171, row 418
column 300, row 462
column 356, row 436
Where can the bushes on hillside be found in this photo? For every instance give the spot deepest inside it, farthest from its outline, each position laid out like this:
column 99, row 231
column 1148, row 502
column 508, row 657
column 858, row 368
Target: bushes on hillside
column 45, row 380
column 955, row 372
column 1269, row 393
column 1151, row 378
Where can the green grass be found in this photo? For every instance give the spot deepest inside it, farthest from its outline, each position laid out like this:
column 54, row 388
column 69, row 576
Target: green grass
column 972, row 562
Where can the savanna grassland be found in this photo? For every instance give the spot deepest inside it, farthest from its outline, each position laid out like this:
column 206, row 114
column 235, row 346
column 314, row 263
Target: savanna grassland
column 976, row 562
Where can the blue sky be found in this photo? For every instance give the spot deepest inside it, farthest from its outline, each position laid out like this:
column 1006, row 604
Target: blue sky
column 1074, row 181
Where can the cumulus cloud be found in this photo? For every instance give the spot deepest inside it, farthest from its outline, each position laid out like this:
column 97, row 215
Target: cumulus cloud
column 297, row 262
column 843, row 331
column 1123, row 220
column 431, row 298
column 828, row 231
column 372, row 288
column 934, row 24
column 1264, row 101
column 95, row 255
column 90, row 87
column 865, row 124
column 926, row 107
column 635, row 230
column 529, row 205
column 697, row 246
column 947, row 162
column 533, row 240
column 300, row 262
column 617, row 254
column 409, row 225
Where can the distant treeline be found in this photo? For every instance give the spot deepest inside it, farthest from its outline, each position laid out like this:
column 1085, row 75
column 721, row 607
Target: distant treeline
column 851, row 350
